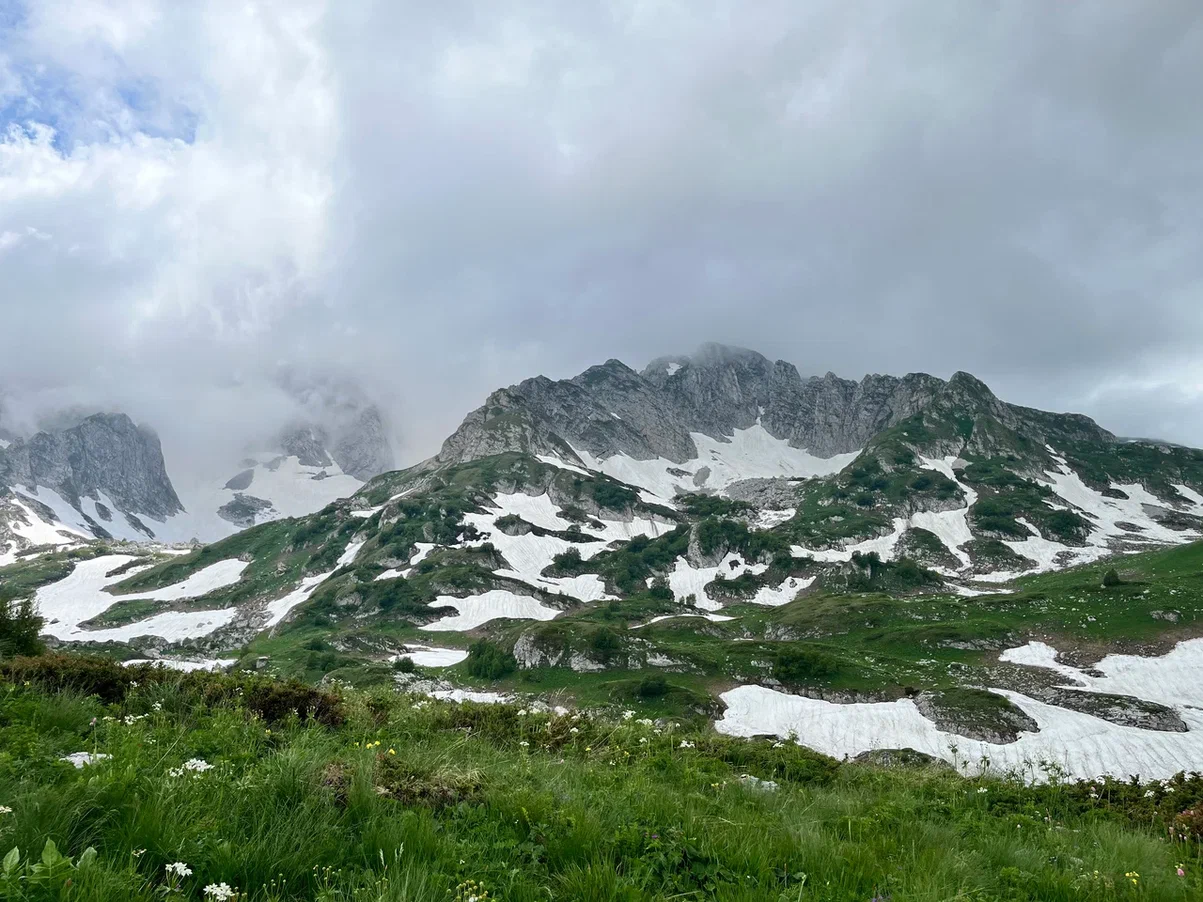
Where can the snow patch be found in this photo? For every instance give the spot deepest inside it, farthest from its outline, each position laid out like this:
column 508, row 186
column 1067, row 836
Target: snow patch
column 182, row 665
column 430, row 656
column 492, row 605
column 1082, row 745
column 746, row 454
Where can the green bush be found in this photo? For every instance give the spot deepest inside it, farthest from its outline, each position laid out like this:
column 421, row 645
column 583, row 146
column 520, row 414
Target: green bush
column 487, row 661
column 1111, row 578
column 654, row 686
column 404, row 664
column 799, row 664
column 20, row 627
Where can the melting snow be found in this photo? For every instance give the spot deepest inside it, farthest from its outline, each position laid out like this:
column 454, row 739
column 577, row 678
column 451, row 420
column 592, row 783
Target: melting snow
column 748, row 453
column 79, row 597
column 492, row 605
column 278, row 609
column 672, row 369
column 185, row 666
column 1083, row 745
column 430, row 656
column 468, row 695
column 714, row 618
column 686, row 580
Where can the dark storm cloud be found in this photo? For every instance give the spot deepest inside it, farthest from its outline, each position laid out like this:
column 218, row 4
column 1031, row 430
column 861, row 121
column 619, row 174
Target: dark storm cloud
column 446, row 198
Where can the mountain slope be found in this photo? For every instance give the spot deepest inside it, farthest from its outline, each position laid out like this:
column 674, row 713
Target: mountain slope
column 910, row 561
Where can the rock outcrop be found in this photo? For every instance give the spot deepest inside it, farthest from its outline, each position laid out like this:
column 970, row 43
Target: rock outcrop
column 105, row 454
column 611, row 409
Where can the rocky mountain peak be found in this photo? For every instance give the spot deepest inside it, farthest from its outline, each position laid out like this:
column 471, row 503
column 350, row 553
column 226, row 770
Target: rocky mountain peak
column 105, row 453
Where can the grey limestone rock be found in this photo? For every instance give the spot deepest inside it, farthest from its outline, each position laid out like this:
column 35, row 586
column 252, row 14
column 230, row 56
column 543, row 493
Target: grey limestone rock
column 104, row 453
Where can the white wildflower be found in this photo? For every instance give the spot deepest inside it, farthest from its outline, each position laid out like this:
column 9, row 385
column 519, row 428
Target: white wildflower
column 219, row 892
column 179, row 869
column 643, row 740
column 644, row 721
column 981, row 789
column 4, row 809
column 686, row 744
column 627, row 715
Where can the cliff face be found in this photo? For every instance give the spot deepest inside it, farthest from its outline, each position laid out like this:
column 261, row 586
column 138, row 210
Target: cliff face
column 611, row 409
column 106, row 453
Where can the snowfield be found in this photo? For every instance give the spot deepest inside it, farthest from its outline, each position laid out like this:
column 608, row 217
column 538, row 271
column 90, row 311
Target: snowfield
column 1081, row 745
column 79, row 597
column 747, row 454
column 430, row 656
column 492, row 605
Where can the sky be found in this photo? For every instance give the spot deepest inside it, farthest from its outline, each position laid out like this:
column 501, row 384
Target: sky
column 437, row 199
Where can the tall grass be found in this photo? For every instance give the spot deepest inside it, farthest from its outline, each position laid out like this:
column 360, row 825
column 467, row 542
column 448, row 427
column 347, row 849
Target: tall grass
column 409, row 800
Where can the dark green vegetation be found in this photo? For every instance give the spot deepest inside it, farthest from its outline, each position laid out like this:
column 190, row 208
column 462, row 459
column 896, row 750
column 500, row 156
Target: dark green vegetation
column 390, row 798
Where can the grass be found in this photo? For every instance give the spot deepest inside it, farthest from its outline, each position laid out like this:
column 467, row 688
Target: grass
column 409, row 799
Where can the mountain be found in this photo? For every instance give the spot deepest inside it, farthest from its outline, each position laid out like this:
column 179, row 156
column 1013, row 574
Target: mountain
column 338, row 441
column 99, row 476
column 716, row 520
column 103, row 477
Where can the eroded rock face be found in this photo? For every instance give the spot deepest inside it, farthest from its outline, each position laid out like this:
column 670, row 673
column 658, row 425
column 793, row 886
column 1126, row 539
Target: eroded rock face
column 611, row 409
column 243, row 510
column 105, row 453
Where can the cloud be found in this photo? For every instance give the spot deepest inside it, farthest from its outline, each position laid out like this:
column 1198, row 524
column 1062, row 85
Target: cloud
column 443, row 199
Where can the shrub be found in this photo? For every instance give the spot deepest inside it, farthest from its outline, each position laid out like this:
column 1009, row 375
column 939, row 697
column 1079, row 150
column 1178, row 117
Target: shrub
column 654, row 686
column 404, row 664
column 487, row 661
column 20, row 626
column 273, row 700
column 801, row 664
column 660, row 589
column 1111, row 578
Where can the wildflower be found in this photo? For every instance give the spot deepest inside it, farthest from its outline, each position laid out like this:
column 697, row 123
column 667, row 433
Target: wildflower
column 981, row 789
column 92, row 722
column 157, row 706
column 685, row 744
column 392, row 751
column 179, row 869
column 574, row 730
column 219, row 892
column 524, row 743
column 1180, row 871
column 588, row 748
column 1133, row 876
column 1149, row 793
column 644, row 721
column 133, row 684
column 627, row 715
column 4, row 809
column 267, row 732
column 643, row 740
column 138, row 853
column 522, row 712
column 778, row 744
